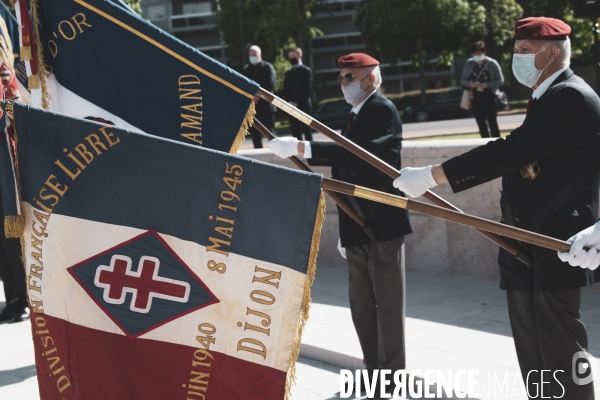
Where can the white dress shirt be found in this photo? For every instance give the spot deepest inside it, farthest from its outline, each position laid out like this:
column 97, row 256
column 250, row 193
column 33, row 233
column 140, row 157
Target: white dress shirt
column 537, row 93
column 355, row 110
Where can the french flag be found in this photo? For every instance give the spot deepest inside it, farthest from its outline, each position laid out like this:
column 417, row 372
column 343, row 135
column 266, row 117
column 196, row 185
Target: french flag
column 161, row 270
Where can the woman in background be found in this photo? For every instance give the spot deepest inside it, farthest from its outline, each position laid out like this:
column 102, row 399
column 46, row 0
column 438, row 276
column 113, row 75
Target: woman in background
column 483, row 76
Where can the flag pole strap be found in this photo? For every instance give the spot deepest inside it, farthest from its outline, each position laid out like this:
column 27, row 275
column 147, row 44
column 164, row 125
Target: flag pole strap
column 447, row 215
column 347, row 209
column 370, row 158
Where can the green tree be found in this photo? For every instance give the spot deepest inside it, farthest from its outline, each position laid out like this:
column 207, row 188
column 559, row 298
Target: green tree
column 418, row 30
column 135, row 5
column 9, row 4
column 500, row 18
column 546, row 8
column 273, row 25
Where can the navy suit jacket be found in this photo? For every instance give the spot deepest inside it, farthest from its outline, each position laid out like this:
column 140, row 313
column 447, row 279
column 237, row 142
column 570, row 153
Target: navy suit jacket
column 560, row 140
column 376, row 128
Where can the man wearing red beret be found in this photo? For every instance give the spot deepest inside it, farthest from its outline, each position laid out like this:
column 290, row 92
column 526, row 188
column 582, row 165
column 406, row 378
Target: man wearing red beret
column 375, row 255
column 550, row 169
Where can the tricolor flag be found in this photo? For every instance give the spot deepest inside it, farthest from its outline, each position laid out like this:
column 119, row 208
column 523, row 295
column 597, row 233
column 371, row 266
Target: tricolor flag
column 104, row 62
column 10, row 53
column 159, row 270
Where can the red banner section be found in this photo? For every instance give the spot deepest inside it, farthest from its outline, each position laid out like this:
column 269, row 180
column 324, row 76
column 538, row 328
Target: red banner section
column 68, row 355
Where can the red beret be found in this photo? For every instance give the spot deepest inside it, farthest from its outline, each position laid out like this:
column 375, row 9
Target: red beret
column 355, row 60
column 541, row 28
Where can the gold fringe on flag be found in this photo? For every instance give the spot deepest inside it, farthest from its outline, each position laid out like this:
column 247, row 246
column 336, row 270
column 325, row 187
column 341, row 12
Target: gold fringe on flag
column 39, row 56
column 290, row 378
column 14, row 226
column 243, row 132
column 33, row 82
column 25, row 54
column 7, row 52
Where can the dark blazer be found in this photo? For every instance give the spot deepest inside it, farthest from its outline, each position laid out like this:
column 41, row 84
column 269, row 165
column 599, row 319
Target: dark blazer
column 377, row 129
column 561, row 134
column 297, row 86
column 264, row 74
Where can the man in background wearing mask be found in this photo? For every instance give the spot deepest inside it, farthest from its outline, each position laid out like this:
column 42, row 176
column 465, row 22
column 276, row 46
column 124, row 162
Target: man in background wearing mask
column 549, row 168
column 263, row 73
column 375, row 255
column 297, row 90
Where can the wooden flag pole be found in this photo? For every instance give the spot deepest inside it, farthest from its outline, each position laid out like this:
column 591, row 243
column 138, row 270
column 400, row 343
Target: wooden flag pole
column 370, row 158
column 448, row 215
column 269, row 135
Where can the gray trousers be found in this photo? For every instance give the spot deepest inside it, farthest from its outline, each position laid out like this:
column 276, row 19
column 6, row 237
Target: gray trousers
column 548, row 334
column 377, row 298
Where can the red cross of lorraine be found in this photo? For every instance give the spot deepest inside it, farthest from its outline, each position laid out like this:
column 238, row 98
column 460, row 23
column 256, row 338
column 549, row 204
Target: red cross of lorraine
column 118, row 279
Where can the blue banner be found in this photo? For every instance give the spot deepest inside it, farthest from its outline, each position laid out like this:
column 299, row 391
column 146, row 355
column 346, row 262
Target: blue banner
column 137, row 180
column 100, row 52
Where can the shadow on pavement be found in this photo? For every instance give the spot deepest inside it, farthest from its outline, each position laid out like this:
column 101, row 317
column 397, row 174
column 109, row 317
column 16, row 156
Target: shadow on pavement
column 17, row 375
column 464, row 302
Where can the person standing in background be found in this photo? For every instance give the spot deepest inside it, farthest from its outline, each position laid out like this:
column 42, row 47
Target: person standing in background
column 297, row 90
column 375, row 254
column 483, row 76
column 263, row 73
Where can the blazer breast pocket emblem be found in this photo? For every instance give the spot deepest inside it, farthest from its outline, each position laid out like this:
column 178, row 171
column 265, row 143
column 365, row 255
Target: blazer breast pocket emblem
column 530, row 171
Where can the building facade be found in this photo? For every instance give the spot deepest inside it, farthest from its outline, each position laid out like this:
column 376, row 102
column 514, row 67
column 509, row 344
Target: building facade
column 195, row 22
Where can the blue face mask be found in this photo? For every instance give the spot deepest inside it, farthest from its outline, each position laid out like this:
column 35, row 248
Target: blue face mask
column 478, row 58
column 253, row 60
column 523, row 67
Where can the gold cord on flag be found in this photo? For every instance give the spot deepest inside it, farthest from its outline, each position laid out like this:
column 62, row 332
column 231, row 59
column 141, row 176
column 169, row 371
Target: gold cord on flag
column 39, row 79
column 290, row 379
column 14, row 225
column 243, row 132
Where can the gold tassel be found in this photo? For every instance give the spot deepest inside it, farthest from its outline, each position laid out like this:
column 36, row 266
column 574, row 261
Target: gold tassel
column 41, row 66
column 14, row 226
column 243, row 132
column 33, row 82
column 25, row 54
column 290, row 378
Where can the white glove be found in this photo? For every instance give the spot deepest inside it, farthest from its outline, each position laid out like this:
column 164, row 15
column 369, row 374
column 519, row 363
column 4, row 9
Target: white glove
column 284, row 147
column 577, row 256
column 415, row 181
column 341, row 249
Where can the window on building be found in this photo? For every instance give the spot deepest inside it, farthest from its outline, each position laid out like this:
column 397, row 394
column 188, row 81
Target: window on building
column 157, row 12
column 200, row 7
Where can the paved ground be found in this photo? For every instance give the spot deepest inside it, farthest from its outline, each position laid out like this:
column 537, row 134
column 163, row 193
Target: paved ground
column 453, row 323
column 436, row 128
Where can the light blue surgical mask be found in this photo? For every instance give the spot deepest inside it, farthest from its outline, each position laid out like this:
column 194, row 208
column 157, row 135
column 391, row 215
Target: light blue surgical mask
column 478, row 58
column 253, row 60
column 523, row 67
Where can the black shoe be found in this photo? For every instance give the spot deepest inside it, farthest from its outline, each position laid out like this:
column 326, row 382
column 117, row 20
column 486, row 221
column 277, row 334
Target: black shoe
column 21, row 315
column 9, row 311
